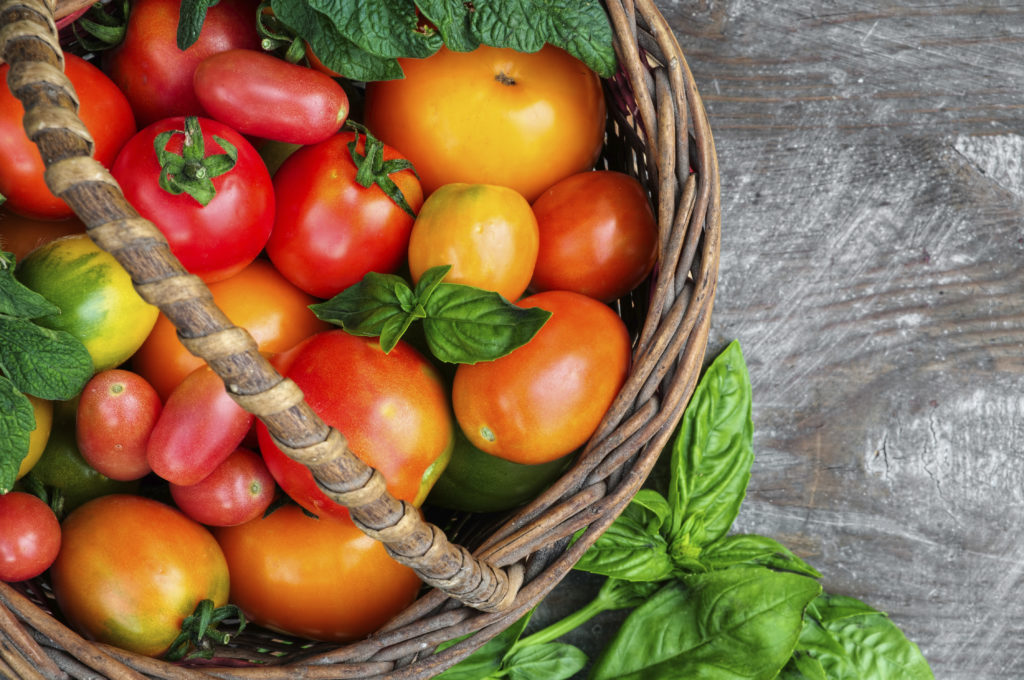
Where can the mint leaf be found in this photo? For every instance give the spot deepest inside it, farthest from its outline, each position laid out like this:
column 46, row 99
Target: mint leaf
column 18, row 300
column 47, row 363
column 452, row 19
column 190, row 21
column 385, row 29
column 467, row 325
column 580, row 27
column 17, row 420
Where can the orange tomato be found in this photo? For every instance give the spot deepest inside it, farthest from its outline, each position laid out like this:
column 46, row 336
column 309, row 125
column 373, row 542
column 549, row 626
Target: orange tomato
column 258, row 298
column 21, row 235
column 546, row 398
column 492, row 116
column 487, row 233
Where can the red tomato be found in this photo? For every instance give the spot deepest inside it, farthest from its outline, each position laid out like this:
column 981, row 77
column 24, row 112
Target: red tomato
column 105, row 113
column 546, row 398
column 131, row 569
column 238, row 490
column 258, row 94
column 492, row 116
column 199, row 426
column 214, row 240
column 392, row 408
column 150, row 69
column 21, row 235
column 117, row 410
column 330, row 230
column 316, row 578
column 598, row 235
column 29, row 536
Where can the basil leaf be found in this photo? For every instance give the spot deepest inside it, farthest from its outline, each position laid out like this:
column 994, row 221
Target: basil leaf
column 628, row 550
column 17, row 420
column 380, row 305
column 803, row 666
column 452, row 19
column 580, row 27
column 16, row 299
column 487, row 659
column 385, row 29
column 713, row 452
column 49, row 364
column 551, row 661
column 467, row 325
column 751, row 549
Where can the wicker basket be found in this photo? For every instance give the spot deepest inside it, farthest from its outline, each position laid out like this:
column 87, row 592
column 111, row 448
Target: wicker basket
column 479, row 582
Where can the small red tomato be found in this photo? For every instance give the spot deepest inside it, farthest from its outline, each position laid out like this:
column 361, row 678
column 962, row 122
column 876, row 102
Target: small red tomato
column 29, row 536
column 261, row 95
column 598, row 235
column 238, row 490
column 116, row 412
column 199, row 426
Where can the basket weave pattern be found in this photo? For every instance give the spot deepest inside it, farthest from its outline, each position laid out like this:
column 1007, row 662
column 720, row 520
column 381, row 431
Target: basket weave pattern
column 657, row 131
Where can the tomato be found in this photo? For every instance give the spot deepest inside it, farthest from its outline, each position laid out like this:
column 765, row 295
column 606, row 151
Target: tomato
column 217, row 226
column 392, row 408
column 259, row 94
column 598, row 235
column 487, row 233
column 330, row 230
column 475, row 481
column 546, row 398
column 200, row 425
column 131, row 569
column 492, row 116
column 106, row 115
column 42, row 410
column 20, row 235
column 117, row 410
column 316, row 578
column 258, row 298
column 98, row 303
column 154, row 74
column 238, row 490
column 29, row 536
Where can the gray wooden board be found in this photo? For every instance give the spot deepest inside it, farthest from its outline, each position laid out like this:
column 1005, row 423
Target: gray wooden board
column 872, row 165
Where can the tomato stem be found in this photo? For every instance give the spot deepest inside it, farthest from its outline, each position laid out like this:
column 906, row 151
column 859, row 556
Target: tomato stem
column 199, row 631
column 371, row 168
column 192, row 171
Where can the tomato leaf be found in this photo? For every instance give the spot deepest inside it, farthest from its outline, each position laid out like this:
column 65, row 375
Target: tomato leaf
column 17, row 420
column 47, row 363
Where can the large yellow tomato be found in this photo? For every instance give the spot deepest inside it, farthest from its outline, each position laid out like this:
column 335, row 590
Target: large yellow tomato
column 492, row 116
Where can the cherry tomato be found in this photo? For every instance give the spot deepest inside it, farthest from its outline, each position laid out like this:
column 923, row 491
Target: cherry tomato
column 154, row 74
column 392, row 408
column 131, row 569
column 29, row 536
column 102, row 108
column 117, row 410
column 492, row 116
column 598, row 235
column 546, row 398
column 21, row 235
column 238, row 490
column 200, row 425
column 223, row 224
column 330, row 230
column 316, row 578
column 259, row 94
column 487, row 233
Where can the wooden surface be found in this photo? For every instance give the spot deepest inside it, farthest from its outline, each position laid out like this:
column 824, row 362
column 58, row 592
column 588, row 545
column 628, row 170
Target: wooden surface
column 872, row 162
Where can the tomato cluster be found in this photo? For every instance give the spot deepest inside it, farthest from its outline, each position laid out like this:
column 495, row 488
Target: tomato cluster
column 243, row 161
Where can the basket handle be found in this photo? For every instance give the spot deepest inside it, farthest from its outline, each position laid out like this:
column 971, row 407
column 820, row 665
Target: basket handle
column 29, row 43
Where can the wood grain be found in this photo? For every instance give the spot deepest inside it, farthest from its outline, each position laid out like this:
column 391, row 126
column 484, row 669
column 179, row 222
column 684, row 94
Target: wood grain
column 872, row 160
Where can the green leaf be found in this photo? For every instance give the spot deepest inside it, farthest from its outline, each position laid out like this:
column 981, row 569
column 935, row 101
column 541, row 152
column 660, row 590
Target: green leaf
column 551, row 661
column 17, row 420
column 803, row 667
column 190, row 21
column 47, row 363
column 713, row 452
column 632, row 548
column 373, row 307
column 385, row 29
column 731, row 624
column 467, row 325
column 452, row 19
column 18, row 300
column 751, row 549
column 580, row 27
column 487, row 659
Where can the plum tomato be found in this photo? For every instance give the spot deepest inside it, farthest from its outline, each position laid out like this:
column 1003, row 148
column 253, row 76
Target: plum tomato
column 598, row 235
column 487, row 233
column 238, row 490
column 29, row 536
column 117, row 410
column 546, row 398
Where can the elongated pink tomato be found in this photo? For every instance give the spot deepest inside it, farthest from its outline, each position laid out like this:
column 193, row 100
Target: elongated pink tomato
column 259, row 94
column 199, row 427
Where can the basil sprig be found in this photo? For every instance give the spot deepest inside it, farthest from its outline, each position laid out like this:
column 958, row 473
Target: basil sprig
column 46, row 363
column 462, row 324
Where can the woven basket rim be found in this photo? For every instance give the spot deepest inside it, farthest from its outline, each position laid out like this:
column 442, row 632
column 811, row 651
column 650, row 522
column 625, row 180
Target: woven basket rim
column 659, row 106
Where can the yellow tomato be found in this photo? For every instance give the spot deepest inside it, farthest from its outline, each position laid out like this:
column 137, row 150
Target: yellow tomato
column 43, row 411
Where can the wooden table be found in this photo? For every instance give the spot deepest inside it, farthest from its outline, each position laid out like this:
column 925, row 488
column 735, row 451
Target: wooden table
column 872, row 165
